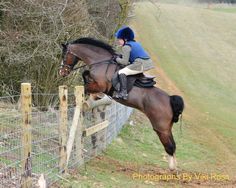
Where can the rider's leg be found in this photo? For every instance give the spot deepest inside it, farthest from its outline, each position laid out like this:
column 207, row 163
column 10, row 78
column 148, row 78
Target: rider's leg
column 128, row 71
column 123, row 86
column 123, row 81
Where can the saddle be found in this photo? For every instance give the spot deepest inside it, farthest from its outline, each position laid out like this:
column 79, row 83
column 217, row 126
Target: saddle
column 138, row 80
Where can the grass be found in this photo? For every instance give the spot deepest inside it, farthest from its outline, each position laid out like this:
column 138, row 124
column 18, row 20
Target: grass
column 199, row 58
column 226, row 10
column 138, row 150
column 196, row 48
column 10, row 144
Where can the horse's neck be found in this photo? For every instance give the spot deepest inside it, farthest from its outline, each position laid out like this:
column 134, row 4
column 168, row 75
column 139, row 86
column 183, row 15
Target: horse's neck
column 91, row 54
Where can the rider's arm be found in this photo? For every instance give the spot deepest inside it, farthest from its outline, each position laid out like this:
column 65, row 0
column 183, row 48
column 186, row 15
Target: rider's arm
column 125, row 55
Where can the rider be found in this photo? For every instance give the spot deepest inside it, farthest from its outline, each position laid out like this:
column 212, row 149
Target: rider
column 133, row 56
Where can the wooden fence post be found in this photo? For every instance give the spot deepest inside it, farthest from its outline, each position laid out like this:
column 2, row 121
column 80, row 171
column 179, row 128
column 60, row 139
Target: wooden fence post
column 79, row 94
column 26, row 99
column 76, row 125
column 63, row 96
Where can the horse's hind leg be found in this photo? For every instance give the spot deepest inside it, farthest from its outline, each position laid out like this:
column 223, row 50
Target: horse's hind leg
column 163, row 126
column 168, row 142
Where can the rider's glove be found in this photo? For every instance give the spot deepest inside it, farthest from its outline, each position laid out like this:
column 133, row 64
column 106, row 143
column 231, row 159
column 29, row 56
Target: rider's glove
column 116, row 56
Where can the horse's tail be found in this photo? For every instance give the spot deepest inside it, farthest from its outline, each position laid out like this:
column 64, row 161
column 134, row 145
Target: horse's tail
column 177, row 105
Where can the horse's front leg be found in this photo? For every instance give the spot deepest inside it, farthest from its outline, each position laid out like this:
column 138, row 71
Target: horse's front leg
column 91, row 87
column 92, row 84
column 94, row 87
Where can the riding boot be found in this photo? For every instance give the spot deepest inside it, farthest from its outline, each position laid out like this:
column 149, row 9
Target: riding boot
column 123, row 86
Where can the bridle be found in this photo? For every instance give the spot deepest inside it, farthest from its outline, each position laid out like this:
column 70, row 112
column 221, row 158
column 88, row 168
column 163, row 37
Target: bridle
column 71, row 68
column 68, row 67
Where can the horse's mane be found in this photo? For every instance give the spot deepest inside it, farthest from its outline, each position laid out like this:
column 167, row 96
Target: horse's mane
column 95, row 42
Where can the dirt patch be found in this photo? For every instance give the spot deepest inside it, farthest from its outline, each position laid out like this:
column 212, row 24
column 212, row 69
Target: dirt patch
column 154, row 175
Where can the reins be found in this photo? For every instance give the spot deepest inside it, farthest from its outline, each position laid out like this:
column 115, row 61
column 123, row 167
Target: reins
column 74, row 69
column 109, row 61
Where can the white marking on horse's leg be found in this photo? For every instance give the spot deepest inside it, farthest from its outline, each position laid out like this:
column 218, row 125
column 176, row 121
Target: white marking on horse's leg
column 172, row 162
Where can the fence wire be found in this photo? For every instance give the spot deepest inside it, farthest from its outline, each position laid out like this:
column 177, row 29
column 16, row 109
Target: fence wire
column 45, row 137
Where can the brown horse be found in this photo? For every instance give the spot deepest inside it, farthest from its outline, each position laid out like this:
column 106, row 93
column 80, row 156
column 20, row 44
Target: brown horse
column 161, row 109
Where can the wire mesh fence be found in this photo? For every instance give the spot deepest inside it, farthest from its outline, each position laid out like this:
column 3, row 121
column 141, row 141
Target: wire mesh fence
column 10, row 141
column 45, row 139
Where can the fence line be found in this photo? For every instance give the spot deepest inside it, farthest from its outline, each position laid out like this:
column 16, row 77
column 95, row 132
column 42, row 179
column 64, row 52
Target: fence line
column 48, row 133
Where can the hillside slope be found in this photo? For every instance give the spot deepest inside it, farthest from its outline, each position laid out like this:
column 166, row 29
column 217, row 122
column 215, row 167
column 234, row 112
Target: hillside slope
column 196, row 47
column 194, row 51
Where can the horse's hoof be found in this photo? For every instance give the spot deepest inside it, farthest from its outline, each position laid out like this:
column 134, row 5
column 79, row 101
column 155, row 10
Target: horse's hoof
column 172, row 163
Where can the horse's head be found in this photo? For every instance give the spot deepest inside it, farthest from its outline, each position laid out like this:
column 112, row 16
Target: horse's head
column 69, row 60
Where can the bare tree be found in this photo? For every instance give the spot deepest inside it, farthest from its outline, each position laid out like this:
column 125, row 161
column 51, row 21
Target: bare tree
column 31, row 32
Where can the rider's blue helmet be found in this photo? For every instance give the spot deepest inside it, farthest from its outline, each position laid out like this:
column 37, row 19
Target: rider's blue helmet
column 125, row 33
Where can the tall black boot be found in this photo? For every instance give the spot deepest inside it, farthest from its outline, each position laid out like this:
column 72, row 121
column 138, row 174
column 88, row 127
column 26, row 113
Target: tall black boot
column 123, row 86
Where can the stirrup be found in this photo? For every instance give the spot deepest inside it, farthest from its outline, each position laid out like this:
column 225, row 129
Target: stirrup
column 117, row 95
